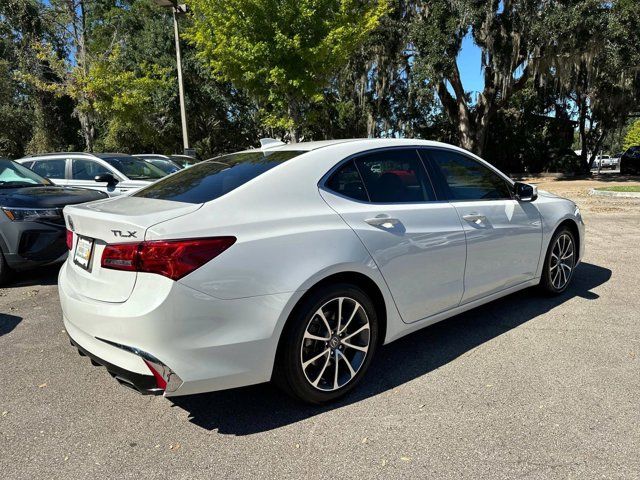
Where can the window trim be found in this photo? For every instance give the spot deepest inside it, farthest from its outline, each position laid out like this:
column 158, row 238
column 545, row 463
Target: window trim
column 322, row 183
column 443, row 186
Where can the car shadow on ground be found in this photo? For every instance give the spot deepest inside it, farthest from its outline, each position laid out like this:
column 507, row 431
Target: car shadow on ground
column 38, row 276
column 259, row 408
column 8, row 323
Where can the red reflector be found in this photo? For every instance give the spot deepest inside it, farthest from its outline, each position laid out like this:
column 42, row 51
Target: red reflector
column 171, row 258
column 122, row 256
column 69, row 239
column 160, row 382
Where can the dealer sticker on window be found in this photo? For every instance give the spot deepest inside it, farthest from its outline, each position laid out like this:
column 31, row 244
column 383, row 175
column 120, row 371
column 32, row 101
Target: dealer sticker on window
column 84, row 248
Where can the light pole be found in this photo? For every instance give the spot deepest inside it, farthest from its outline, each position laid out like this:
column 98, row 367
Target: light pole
column 177, row 9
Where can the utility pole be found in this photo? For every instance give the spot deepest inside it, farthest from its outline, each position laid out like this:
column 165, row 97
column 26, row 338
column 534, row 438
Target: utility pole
column 178, row 9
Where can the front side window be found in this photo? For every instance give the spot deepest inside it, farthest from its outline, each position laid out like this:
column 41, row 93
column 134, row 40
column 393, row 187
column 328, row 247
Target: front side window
column 82, row 169
column 394, row 176
column 206, row 181
column 467, row 179
column 50, row 168
column 134, row 168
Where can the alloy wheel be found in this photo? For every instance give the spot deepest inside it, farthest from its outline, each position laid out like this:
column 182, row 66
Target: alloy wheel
column 562, row 261
column 335, row 344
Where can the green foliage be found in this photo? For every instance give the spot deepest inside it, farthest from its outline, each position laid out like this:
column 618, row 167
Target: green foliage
column 282, row 51
column 98, row 74
column 632, row 137
column 125, row 99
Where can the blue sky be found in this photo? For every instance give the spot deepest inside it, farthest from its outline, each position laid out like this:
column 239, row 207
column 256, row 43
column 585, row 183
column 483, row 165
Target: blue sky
column 469, row 64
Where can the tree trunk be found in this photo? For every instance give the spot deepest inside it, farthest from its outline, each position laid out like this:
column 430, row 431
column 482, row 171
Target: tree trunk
column 582, row 129
column 293, row 111
column 86, row 117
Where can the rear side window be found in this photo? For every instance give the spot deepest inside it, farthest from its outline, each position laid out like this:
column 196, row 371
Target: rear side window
column 206, row 181
column 50, row 168
column 346, row 181
column 86, row 169
column 468, row 179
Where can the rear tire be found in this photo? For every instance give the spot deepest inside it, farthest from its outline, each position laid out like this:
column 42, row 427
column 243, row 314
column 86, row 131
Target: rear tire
column 560, row 262
column 327, row 344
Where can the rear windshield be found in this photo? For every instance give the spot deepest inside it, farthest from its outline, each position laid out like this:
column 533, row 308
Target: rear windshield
column 208, row 180
column 134, row 168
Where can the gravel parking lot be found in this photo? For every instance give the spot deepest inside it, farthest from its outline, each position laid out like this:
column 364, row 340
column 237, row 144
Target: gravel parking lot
column 528, row 386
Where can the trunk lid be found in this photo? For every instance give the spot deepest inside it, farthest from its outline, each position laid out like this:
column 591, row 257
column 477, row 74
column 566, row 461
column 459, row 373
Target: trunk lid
column 115, row 220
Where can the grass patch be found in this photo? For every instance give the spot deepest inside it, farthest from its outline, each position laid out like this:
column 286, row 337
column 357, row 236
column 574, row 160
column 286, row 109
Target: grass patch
column 621, row 188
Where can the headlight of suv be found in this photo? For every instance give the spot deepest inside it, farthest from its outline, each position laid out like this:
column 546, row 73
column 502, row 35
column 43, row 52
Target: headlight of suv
column 23, row 214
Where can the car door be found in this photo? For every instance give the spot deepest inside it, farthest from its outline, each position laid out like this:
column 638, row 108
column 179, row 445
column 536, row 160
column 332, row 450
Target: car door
column 417, row 242
column 84, row 171
column 52, row 168
column 504, row 236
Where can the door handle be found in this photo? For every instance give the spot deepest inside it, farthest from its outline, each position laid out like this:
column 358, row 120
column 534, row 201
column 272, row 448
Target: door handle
column 474, row 218
column 384, row 221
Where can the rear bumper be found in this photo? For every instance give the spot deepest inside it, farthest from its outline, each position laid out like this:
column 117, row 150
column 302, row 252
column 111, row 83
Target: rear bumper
column 144, row 384
column 207, row 343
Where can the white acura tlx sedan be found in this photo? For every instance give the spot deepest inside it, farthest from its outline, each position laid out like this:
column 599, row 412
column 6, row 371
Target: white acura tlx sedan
column 294, row 263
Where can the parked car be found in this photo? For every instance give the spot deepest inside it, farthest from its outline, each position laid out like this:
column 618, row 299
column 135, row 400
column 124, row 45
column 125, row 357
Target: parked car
column 32, row 230
column 183, row 160
column 630, row 161
column 615, row 159
column 112, row 173
column 163, row 162
column 295, row 262
column 605, row 161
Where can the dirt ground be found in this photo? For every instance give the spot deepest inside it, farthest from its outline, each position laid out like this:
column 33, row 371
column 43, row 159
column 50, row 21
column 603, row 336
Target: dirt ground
column 578, row 191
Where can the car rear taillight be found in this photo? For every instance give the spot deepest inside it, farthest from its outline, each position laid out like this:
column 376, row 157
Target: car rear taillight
column 69, row 239
column 171, row 258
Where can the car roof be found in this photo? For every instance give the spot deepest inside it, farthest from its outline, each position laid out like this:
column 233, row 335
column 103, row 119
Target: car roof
column 87, row 154
column 365, row 142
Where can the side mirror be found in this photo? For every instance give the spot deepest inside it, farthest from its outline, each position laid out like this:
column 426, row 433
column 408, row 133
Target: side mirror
column 525, row 192
column 106, row 177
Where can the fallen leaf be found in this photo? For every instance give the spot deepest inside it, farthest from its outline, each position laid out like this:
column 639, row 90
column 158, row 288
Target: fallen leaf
column 405, row 459
column 4, row 414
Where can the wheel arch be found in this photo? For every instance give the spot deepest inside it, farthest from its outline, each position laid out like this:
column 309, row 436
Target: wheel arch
column 358, row 279
column 573, row 228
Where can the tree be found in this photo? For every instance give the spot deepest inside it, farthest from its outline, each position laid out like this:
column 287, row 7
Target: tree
column 632, row 136
column 499, row 29
column 591, row 54
column 283, row 52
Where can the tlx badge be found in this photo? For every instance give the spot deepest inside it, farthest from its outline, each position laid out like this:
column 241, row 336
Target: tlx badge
column 128, row 234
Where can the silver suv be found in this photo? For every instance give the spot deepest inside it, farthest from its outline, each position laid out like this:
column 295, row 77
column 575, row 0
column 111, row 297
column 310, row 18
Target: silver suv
column 112, row 173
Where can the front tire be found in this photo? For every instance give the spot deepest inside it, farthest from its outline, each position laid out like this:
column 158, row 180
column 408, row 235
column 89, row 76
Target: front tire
column 328, row 344
column 560, row 262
